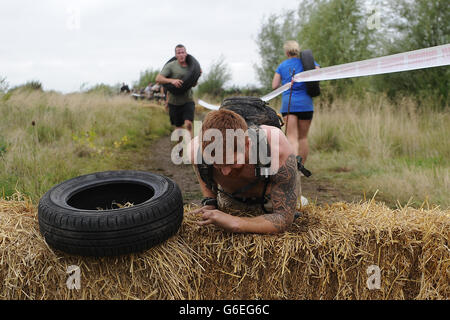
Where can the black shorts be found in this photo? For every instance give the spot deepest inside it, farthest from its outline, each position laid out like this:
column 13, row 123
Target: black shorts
column 178, row 114
column 307, row 115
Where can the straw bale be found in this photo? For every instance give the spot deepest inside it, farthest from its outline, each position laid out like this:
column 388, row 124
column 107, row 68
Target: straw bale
column 325, row 255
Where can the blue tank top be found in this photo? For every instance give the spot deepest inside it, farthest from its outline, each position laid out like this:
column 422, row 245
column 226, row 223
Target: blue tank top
column 300, row 100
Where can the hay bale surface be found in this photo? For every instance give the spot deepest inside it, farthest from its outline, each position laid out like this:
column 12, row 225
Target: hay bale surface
column 325, row 255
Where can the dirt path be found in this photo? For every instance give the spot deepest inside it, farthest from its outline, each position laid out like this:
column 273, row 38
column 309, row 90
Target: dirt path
column 315, row 190
column 161, row 163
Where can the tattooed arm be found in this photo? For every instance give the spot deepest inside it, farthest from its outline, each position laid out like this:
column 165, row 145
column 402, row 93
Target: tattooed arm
column 284, row 199
column 283, row 191
column 284, row 195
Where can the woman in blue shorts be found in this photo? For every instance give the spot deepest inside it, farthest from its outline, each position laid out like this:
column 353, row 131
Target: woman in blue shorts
column 301, row 109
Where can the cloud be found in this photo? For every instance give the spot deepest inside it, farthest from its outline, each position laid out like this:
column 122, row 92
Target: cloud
column 67, row 43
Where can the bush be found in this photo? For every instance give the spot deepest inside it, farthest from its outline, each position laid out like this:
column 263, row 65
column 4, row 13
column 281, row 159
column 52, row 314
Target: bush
column 145, row 78
column 33, row 85
column 215, row 79
column 337, row 32
column 3, row 146
column 103, row 89
column 3, row 85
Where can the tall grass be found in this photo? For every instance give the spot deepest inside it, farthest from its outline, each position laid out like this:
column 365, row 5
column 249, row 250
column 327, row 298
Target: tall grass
column 46, row 138
column 374, row 144
column 367, row 143
column 398, row 150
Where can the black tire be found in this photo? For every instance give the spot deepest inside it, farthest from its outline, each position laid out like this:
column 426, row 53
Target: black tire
column 70, row 221
column 189, row 80
column 312, row 87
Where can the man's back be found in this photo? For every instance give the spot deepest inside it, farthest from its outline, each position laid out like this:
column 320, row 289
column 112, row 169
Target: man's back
column 280, row 150
column 278, row 197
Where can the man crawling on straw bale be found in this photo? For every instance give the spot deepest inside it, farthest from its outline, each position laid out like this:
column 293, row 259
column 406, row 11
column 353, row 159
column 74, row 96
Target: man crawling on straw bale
column 244, row 194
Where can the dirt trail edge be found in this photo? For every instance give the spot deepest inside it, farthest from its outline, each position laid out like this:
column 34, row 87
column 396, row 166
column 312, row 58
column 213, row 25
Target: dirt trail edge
column 159, row 161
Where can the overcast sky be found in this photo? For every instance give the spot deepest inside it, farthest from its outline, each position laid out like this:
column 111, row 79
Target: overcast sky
column 65, row 43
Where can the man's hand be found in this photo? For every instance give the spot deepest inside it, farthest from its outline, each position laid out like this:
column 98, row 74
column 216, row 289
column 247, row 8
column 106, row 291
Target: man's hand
column 210, row 215
column 200, row 210
column 177, row 82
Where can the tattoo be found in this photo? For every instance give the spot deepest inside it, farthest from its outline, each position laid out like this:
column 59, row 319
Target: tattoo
column 284, row 195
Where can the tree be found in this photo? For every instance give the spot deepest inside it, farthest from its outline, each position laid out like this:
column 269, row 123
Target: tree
column 274, row 32
column 214, row 81
column 33, row 85
column 145, row 78
column 419, row 24
column 101, row 89
column 3, row 85
column 335, row 30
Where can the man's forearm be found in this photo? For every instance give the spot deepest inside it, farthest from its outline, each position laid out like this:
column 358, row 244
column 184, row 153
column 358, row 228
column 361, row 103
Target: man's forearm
column 236, row 224
column 162, row 80
column 256, row 225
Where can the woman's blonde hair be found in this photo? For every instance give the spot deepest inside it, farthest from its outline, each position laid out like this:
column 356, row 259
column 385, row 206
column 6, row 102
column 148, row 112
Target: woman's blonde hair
column 292, row 48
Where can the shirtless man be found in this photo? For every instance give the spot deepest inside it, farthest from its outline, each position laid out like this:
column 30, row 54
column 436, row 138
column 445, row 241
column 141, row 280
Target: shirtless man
column 239, row 176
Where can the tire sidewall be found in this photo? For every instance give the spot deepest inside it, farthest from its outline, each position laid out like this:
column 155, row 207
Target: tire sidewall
column 307, row 58
column 58, row 196
column 189, row 80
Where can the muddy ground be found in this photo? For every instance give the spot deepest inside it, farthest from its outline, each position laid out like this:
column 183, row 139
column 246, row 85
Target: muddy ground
column 159, row 161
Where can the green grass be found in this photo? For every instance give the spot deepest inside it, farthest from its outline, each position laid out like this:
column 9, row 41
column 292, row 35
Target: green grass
column 47, row 138
column 368, row 145
column 373, row 145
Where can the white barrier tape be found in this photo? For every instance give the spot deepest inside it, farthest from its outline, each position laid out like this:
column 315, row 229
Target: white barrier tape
column 278, row 91
column 406, row 61
column 207, row 105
